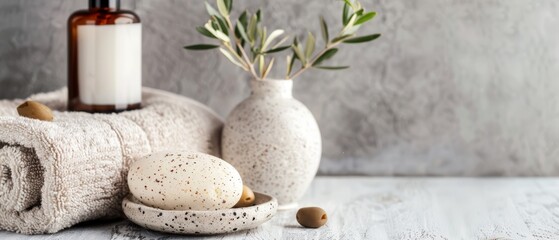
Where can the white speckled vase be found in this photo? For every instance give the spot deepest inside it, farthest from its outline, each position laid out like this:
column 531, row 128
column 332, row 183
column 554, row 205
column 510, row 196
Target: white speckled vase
column 274, row 142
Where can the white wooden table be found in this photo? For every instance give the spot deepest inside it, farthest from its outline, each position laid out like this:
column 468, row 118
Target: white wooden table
column 392, row 208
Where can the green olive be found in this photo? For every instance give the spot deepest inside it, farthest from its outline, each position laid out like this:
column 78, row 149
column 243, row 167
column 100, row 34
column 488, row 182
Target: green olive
column 312, row 217
column 35, row 110
column 247, row 198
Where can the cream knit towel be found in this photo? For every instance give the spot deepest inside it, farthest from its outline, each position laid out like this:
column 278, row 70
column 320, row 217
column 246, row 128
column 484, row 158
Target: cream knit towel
column 57, row 174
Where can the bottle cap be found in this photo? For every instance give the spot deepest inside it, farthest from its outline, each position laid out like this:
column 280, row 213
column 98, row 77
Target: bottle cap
column 104, row 4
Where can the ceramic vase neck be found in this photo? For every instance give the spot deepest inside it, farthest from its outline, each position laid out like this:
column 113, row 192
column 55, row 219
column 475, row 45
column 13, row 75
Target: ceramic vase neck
column 272, row 88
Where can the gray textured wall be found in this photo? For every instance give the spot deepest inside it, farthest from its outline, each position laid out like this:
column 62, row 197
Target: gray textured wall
column 453, row 88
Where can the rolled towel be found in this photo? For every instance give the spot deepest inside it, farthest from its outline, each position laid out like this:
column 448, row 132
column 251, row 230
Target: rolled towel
column 56, row 174
column 19, row 164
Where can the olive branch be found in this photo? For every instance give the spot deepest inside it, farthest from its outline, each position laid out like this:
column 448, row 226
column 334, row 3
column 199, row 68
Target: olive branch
column 248, row 45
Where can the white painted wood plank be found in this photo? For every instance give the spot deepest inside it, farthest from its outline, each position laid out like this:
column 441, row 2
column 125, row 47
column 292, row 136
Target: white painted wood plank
column 392, row 208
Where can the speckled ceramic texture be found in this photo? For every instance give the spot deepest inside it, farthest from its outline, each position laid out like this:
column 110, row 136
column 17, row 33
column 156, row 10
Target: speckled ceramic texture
column 274, row 142
column 185, row 181
column 201, row 222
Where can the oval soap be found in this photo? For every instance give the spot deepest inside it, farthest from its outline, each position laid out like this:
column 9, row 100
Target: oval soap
column 185, row 181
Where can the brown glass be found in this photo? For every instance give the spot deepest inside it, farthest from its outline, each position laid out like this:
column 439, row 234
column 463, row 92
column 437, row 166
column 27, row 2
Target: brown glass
column 93, row 16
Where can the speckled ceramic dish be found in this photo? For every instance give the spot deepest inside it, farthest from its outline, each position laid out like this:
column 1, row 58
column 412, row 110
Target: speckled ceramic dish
column 201, row 222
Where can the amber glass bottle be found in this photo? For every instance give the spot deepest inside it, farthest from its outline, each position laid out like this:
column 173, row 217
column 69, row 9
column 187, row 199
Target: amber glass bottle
column 104, row 59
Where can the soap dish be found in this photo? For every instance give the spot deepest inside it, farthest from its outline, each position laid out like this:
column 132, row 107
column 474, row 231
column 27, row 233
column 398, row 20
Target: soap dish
column 201, row 222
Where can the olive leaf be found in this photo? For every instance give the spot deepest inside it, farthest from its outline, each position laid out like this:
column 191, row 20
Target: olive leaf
column 275, row 34
column 222, row 7
column 291, row 60
column 220, row 35
column 215, row 24
column 365, row 18
column 243, row 19
column 251, row 31
column 229, row 4
column 299, row 52
column 325, row 56
column 324, row 28
column 241, row 31
column 310, row 46
column 211, row 10
column 289, row 65
column 263, row 33
column 331, row 67
column 222, row 24
column 199, row 47
column 259, row 15
column 278, row 49
column 348, row 3
column 205, row 32
column 346, row 15
column 363, row 39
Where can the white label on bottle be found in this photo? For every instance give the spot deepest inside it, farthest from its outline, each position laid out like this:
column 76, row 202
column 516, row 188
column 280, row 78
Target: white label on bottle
column 110, row 64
